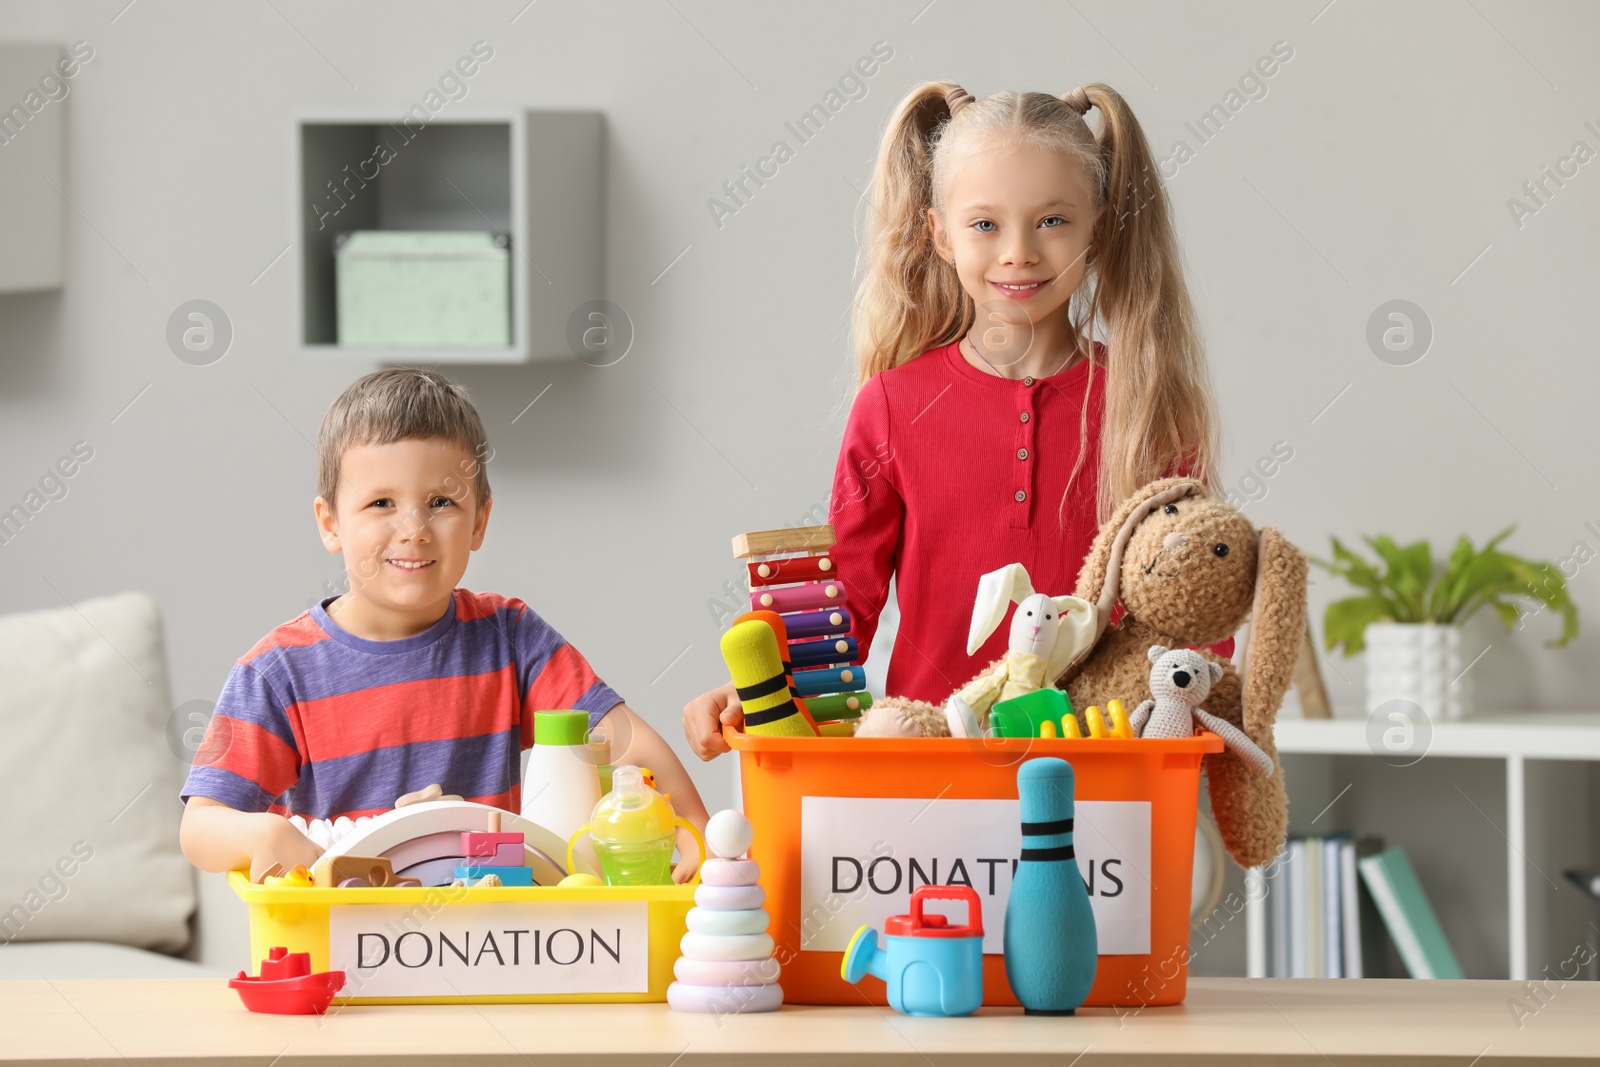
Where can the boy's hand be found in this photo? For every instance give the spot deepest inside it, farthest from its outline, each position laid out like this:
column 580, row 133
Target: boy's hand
column 706, row 715
column 215, row 837
column 279, row 842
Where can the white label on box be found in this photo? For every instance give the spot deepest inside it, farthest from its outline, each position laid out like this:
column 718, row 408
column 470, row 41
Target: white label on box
column 450, row 950
column 860, row 859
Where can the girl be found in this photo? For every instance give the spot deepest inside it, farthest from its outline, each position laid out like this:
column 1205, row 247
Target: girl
column 1002, row 233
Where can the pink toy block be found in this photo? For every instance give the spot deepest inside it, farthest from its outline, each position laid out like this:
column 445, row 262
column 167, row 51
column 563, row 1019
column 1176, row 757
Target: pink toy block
column 477, row 843
column 507, row 855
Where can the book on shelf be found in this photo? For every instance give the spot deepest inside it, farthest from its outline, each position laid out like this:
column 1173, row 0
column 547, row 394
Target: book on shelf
column 1333, row 962
column 1394, row 886
column 1320, row 920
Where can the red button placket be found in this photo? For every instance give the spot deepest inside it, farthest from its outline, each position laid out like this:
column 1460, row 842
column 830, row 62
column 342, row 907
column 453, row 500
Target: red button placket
column 1023, row 457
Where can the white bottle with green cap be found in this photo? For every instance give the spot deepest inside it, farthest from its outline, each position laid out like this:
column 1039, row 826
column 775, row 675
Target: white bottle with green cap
column 561, row 786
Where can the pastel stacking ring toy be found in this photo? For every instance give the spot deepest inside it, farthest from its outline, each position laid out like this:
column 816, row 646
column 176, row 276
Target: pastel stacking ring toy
column 726, row 972
column 730, row 897
column 726, row 872
column 727, row 965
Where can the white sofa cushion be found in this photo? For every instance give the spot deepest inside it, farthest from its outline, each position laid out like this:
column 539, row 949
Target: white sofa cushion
column 89, row 828
column 53, row 961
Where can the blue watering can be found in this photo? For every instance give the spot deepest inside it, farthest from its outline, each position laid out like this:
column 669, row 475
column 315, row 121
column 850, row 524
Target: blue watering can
column 929, row 966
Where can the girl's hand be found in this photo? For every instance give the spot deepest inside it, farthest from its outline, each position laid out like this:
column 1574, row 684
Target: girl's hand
column 278, row 842
column 689, row 857
column 706, row 715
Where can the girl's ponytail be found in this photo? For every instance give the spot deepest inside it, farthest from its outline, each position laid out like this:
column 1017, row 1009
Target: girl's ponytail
column 905, row 304
column 1160, row 418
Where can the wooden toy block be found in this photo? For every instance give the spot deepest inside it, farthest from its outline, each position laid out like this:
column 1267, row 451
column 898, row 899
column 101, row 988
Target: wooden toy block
column 825, row 623
column 792, row 569
column 804, row 597
column 828, row 651
column 507, row 875
column 329, row 871
column 798, row 539
column 420, row 796
column 478, row 843
column 510, row 855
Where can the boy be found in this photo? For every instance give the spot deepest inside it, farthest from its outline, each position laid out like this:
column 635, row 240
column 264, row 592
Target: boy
column 406, row 680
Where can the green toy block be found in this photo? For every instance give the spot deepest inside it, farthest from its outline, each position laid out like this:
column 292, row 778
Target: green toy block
column 1021, row 716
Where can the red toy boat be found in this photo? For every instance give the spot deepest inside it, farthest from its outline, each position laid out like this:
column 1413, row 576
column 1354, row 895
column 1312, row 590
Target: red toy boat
column 286, row 985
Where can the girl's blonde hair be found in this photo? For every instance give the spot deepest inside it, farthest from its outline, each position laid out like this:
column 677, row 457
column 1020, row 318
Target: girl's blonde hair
column 1160, row 418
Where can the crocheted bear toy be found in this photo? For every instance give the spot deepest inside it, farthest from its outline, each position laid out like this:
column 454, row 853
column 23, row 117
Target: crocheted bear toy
column 1180, row 678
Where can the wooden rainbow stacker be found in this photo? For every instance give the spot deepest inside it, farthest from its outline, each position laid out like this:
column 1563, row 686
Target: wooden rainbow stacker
column 793, row 573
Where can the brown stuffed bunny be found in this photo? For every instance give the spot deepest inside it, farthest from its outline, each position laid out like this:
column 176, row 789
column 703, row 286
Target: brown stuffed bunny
column 1188, row 570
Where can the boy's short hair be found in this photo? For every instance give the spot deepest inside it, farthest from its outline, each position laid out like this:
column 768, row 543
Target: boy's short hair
column 401, row 404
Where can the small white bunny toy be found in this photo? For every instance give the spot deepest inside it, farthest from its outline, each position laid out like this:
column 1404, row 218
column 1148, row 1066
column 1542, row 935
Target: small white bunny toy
column 1180, row 679
column 1047, row 632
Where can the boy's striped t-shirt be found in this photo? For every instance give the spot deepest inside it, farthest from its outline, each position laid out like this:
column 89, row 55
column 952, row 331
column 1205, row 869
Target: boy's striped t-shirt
column 318, row 722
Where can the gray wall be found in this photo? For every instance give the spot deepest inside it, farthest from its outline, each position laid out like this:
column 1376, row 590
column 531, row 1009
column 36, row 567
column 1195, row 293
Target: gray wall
column 1378, row 163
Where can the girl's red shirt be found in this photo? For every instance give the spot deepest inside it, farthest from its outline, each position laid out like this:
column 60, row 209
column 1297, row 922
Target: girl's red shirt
column 946, row 473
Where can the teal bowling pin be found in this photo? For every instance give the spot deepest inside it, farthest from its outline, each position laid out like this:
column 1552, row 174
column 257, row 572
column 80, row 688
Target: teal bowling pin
column 1051, row 949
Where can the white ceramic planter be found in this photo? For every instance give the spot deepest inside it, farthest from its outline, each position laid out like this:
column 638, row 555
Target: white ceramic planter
column 1417, row 662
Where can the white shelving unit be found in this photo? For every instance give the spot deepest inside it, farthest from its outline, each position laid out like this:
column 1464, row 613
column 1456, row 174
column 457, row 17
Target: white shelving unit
column 535, row 177
column 1339, row 775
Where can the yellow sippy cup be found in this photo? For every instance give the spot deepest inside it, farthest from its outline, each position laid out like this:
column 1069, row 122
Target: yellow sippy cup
column 633, row 828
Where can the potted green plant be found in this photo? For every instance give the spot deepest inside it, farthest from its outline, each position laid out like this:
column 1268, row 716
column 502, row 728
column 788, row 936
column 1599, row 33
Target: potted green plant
column 1408, row 613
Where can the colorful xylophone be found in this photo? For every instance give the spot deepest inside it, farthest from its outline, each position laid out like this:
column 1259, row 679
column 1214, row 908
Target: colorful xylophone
column 793, row 574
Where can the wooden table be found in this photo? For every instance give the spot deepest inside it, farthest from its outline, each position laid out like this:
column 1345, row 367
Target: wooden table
column 1223, row 1021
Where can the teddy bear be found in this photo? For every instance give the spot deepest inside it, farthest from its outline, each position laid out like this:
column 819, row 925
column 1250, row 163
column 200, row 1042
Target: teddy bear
column 1187, row 570
column 1181, row 678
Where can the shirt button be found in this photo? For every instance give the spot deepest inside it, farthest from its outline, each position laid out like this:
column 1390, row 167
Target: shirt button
column 1021, row 496
column 1028, row 380
column 1022, row 453
column 1023, row 416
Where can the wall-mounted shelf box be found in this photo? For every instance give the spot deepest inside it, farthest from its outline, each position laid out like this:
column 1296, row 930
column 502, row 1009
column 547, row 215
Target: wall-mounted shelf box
column 535, row 177
column 32, row 147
